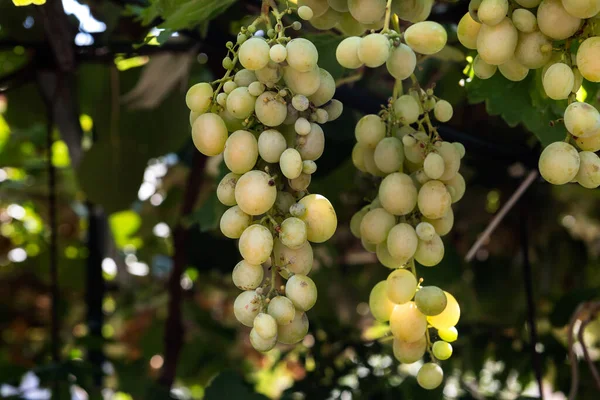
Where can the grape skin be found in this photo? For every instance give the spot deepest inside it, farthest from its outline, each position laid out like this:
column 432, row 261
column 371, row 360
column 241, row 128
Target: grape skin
column 254, row 54
column 407, row 323
column 209, row 134
column 582, row 119
column 375, row 225
column 430, row 376
column 261, row 344
column 302, row 291
column 431, row 300
column 398, row 194
column 369, row 162
column 559, row 163
column 588, row 174
column 282, row 310
column 369, row 130
column 247, row 276
column 434, row 199
column 482, row 69
column 496, row 44
column 325, row 91
column 254, row 193
column 457, row 182
column 278, row 53
column 533, row 50
column 347, row 53
column 265, row 326
column 591, row 143
column 244, row 77
column 433, row 166
column 295, row 331
column 374, row 50
column 448, row 334
column 367, row 11
column 555, row 22
column 558, row 81
column 407, row 109
column 513, row 70
column 409, row 352
column 401, row 62
column 241, row 152
column 199, row 97
column 334, row 109
column 582, row 8
column 302, row 55
column 451, row 157
column 300, row 183
column 256, row 244
column 338, row 5
column 430, row 253
column 311, row 146
column 492, row 12
column 443, row 111
column 389, row 155
column 270, row 109
column 320, row 218
column 425, row 231
column 588, row 56
column 442, row 350
column 246, row 307
column 402, row 242
column 271, row 144
column 233, row 222
column 293, row 233
column 401, row 286
column 326, row 21
column 385, row 258
column 426, row 37
column 467, row 31
column 297, row 261
column 291, row 163
column 226, row 189
column 449, row 317
column 380, row 305
column 270, row 75
column 524, row 20
column 305, row 83
column 318, row 7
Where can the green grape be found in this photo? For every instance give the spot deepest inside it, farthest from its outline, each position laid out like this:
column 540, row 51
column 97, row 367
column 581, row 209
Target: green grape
column 306, row 13
column 320, row 218
column 407, row 323
column 461, row 149
column 412, row 10
column 246, row 307
column 300, row 102
column 334, row 109
column 591, row 143
column 271, row 144
column 367, row 11
column 358, row 157
column 409, row 352
column 482, row 69
column 270, row 109
column 443, row 111
column 389, row 155
column 309, row 167
column 577, row 80
column 270, row 75
column 380, row 305
column 297, row 210
column 256, row 244
column 370, row 247
column 311, row 146
column 425, row 231
column 282, row 310
column 457, row 182
column 293, row 233
column 193, row 116
column 349, row 26
column 449, row 317
column 278, row 53
column 297, row 261
column 582, row 119
column 254, row 53
column 295, row 331
column 398, row 194
column 302, row 55
column 448, row 334
column 416, row 152
column 247, row 276
column 338, row 5
column 305, row 83
column 474, row 10
column 327, row 20
column 528, row 3
column 209, row 134
column 222, row 99
column 369, row 130
column 442, row 350
column 376, row 224
column 356, row 220
column 347, row 53
column 241, row 152
column 588, row 59
column 496, row 44
column 442, row 225
column 229, row 86
column 533, row 50
column 467, row 31
column 558, row 81
column 406, row 109
column 199, row 97
column 265, row 326
column 430, row 376
column 434, row 199
column 524, row 20
column 244, row 77
column 226, row 189
column 321, row 116
column 402, row 242
column 301, row 290
column 555, row 22
column 261, row 344
column 300, row 183
column 513, row 70
column 369, row 161
column 255, row 192
column 374, row 50
column 492, row 12
column 431, row 300
column 451, row 158
column 426, row 37
column 582, row 8
column 234, row 222
column 430, row 253
column 401, row 62
column 291, row 163
column 325, row 91
column 588, row 174
column 433, row 166
column 318, row 7
column 240, row 103
column 401, row 286
column 302, row 126
column 385, row 258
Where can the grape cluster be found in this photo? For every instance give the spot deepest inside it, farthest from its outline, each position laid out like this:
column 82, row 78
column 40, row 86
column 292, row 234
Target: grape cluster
column 540, row 34
column 264, row 118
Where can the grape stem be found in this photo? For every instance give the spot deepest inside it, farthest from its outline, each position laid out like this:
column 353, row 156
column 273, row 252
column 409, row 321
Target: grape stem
column 388, row 13
column 429, row 344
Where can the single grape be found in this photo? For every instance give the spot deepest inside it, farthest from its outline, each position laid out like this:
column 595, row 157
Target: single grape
column 256, row 244
column 376, row 224
column 457, row 182
column 555, row 22
column 407, row 323
column 301, row 290
column 300, row 183
column 278, row 53
column 461, row 149
column 533, row 50
column 433, row 166
column 233, row 222
column 309, row 167
column 254, row 53
column 209, row 134
column 492, row 12
column 320, row 218
column 374, row 50
column 582, row 119
column 588, row 59
column 401, row 286
column 425, row 231
column 247, row 276
column 255, row 192
column 524, row 20
column 338, row 5
column 401, row 62
column 402, row 242
column 318, row 7
column 311, row 146
column 305, row 12
column 558, row 81
column 442, row 350
column 222, row 99
column 406, row 109
column 241, row 152
column 282, row 310
column 256, row 88
column 482, row 69
column 300, row 102
column 467, row 31
column 451, row 157
column 367, row 11
column 226, row 189
column 430, row 253
column 302, row 126
column 409, row 352
column 442, row 225
column 426, row 37
column 449, row 317
column 321, row 116
column 448, row 334
column 244, row 77
column 246, row 307
column 296, row 261
column 305, row 83
column 295, row 331
column 431, row 300
column 398, row 194
column 334, row 109
column 369, row 130
column 325, row 91
column 265, row 326
column 199, row 97
column 513, row 70
column 380, row 305
column 496, row 44
column 240, row 103
column 229, row 86
column 291, row 163
column 347, row 53
column 297, row 210
column 293, row 233
column 326, row 21
column 270, row 75
column 270, row 109
column 385, row 258
column 389, row 155
column 271, row 144
column 559, row 163
column 302, row 55
column 443, row 111
column 588, row 174
column 430, row 376
column 434, row 199
column 261, row 344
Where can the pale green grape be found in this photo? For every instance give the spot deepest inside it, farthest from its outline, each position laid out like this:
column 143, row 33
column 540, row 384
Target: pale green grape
column 334, row 109
column 431, row 300
column 358, row 157
column 448, row 334
column 449, row 317
column 406, row 109
column 380, row 305
column 265, row 326
column 412, row 10
column 374, row 50
column 347, row 53
column 389, row 155
column 402, row 242
column 247, row 276
column 401, row 286
column 474, row 9
column 338, row 5
column 300, row 183
column 318, row 7
column 254, row 54
column 588, row 59
column 482, row 69
column 255, row 192
column 295, row 331
column 555, row 22
column 199, row 97
column 398, row 194
column 297, row 261
column 433, row 166
column 209, row 134
column 240, row 103
column 302, row 126
column 302, row 55
column 559, row 163
column 222, row 99
column 369, row 130
column 369, row 162
column 496, row 44
column 451, row 158
column 407, row 323
column 325, row 91
column 193, row 116
column 430, row 376
column 246, row 307
column 302, row 291
column 425, row 231
column 367, row 11
column 261, row 344
column 409, row 352
column 241, row 152
column 434, row 199
column 430, row 253
column 419, row 177
column 385, row 258
column 305, row 12
column 256, row 244
column 582, row 8
column 443, row 111
column 270, row 75
column 320, row 218
column 533, row 50
column 524, row 20
column 370, row 247
column 401, row 62
column 426, row 37
column 300, row 102
column 271, row 144
column 244, row 77
column 297, row 210
column 293, row 233
column 375, row 225
column 309, row 167
column 582, row 119
column 305, row 83
column 442, row 225
column 226, row 189
column 356, row 220
column 229, row 86
column 467, row 31
column 327, row 20
column 558, row 81
column 231, row 123
column 349, row 26
column 234, row 222
column 513, row 70
column 320, row 116
column 442, row 350
column 270, row 109
column 416, row 152
column 492, row 12
column 461, row 149
column 457, row 182
column 291, row 163
column 256, row 88
column 282, row 310
column 278, row 53
column 311, row 146
column 588, row 174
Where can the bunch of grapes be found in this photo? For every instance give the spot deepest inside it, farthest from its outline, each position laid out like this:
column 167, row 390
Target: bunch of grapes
column 419, row 182
column 541, row 35
column 264, row 117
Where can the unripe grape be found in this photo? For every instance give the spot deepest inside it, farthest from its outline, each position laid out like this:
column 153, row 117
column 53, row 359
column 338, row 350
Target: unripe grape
column 305, row 12
column 247, row 276
column 256, row 88
column 401, row 286
column 389, row 155
column 311, row 146
column 246, row 307
column 442, row 350
column 244, row 77
column 302, row 126
column 591, row 143
column 199, row 97
column 256, row 244
column 433, row 166
column 582, row 119
column 209, row 134
column 430, row 253
column 309, row 167
column 297, row 261
column 271, row 144
column 443, row 111
column 234, row 222
column 293, row 233
column 496, row 44
column 278, row 53
column 282, row 310
column 302, row 55
column 270, row 75
column 380, row 305
column 367, row 11
column 369, row 130
column 241, row 152
column 434, row 199
column 291, row 163
column 356, row 220
column 402, row 242
column 255, row 192
column 451, row 158
column 474, row 10
column 409, row 352
column 240, row 103
column 449, row 317
column 300, row 102
column 513, row 70
column 261, row 344
column 222, row 99
column 482, row 69
column 229, row 86
column 322, row 116
column 431, row 300
column 588, row 174
column 430, row 376
column 407, row 109
column 448, row 334
column 254, row 53
column 327, row 20
column 295, row 331
column 320, row 218
column 401, row 62
column 334, row 109
column 398, row 194
column 492, row 12
column 270, row 109
column 555, row 22
column 533, row 50
column 407, row 323
column 425, row 231
column 318, row 7
column 467, row 31
column 385, row 258
column 558, row 81
column 588, row 56
column 358, row 157
column 226, row 189
column 457, row 182
column 265, row 326
column 376, row 224
column 374, row 50
column 301, row 290
column 325, row 91
column 426, row 37
column 524, row 20
column 347, row 53
column 461, row 148
column 305, row 83
column 582, row 8
column 300, row 183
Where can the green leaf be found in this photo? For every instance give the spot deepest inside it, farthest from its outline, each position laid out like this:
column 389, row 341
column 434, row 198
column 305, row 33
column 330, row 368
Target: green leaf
column 519, row 103
column 209, row 214
column 181, row 14
column 326, row 44
column 124, row 224
column 230, row 385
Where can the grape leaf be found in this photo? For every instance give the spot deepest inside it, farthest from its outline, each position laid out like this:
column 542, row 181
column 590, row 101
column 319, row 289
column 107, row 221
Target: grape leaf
column 181, row 14
column 326, row 44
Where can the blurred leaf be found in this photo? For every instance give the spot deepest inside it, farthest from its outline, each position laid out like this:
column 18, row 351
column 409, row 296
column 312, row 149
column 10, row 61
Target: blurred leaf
column 181, row 14
column 209, row 214
column 123, row 225
column 230, row 385
column 566, row 305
